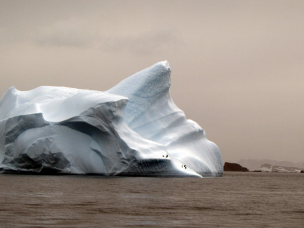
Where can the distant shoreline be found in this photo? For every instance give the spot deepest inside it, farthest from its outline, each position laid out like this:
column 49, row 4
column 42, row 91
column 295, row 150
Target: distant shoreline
column 235, row 167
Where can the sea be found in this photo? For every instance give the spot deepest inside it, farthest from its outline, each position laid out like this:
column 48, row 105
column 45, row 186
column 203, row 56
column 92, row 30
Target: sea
column 238, row 199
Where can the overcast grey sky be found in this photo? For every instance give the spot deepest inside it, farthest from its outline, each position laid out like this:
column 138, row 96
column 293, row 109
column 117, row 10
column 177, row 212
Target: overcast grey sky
column 237, row 66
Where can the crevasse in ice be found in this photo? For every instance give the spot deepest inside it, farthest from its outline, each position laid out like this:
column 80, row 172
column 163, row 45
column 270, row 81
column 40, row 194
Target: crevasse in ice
column 133, row 129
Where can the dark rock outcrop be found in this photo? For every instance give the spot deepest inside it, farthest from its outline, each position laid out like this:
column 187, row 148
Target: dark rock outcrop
column 234, row 167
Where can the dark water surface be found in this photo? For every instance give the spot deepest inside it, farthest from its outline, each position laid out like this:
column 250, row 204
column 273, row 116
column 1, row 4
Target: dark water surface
column 234, row 200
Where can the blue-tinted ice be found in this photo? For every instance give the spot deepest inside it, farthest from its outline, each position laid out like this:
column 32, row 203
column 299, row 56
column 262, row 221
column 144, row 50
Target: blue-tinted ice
column 132, row 129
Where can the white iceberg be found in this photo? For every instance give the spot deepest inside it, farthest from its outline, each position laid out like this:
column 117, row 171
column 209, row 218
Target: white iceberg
column 132, row 129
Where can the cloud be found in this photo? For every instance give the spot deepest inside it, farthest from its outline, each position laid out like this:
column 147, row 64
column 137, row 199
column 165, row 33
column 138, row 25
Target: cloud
column 143, row 43
column 78, row 33
column 70, row 33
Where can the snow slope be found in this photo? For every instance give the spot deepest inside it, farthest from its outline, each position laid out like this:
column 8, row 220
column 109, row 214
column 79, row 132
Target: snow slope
column 132, row 129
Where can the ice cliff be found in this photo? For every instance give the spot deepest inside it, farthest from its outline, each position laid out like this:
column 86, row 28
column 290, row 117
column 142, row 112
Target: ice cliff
column 132, row 129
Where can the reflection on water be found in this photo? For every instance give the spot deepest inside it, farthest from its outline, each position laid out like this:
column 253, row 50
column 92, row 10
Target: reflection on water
column 235, row 200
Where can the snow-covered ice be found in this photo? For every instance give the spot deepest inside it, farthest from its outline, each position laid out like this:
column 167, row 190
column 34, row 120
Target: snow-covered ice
column 132, row 129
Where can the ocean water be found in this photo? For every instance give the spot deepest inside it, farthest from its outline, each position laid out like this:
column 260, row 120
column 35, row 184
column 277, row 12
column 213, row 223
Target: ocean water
column 234, row 200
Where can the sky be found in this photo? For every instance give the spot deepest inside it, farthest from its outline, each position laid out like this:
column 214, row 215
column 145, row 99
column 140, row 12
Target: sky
column 237, row 66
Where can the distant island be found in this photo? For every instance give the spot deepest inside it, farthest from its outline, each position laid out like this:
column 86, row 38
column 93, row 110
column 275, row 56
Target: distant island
column 234, row 167
column 278, row 169
column 228, row 166
column 255, row 164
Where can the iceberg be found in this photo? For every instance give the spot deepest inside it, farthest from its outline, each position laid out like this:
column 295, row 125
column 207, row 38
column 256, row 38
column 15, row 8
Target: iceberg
column 133, row 129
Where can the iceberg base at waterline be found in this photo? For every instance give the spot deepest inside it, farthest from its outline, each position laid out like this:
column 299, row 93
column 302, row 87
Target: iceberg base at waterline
column 133, row 129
